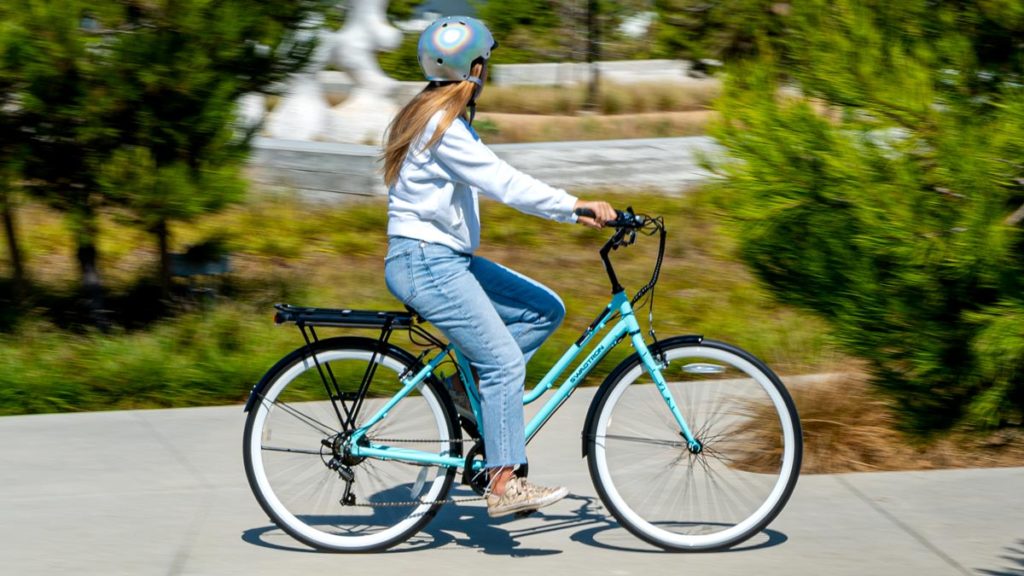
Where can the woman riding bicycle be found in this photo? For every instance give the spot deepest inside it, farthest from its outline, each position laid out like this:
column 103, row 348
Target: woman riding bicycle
column 434, row 167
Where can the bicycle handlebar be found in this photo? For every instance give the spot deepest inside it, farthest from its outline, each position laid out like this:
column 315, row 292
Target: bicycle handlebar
column 623, row 219
column 626, row 224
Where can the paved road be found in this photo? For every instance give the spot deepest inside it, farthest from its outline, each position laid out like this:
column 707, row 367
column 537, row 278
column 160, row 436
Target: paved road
column 163, row 492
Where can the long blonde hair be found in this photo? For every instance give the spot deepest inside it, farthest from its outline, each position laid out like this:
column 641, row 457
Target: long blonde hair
column 412, row 119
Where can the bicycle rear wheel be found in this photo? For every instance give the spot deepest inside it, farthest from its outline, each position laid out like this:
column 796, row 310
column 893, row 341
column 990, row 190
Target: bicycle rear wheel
column 682, row 499
column 295, row 438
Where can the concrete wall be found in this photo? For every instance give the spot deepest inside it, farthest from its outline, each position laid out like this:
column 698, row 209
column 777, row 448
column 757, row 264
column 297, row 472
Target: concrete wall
column 317, row 169
column 331, row 171
column 566, row 73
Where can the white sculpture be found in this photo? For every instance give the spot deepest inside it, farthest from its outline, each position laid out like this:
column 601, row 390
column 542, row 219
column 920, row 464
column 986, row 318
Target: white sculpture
column 304, row 112
column 301, row 112
column 354, row 47
column 364, row 115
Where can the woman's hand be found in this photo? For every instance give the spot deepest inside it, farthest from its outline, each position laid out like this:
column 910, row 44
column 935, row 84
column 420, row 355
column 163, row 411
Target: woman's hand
column 603, row 212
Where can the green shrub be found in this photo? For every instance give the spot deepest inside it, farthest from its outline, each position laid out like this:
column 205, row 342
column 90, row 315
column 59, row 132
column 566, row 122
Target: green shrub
column 999, row 347
column 202, row 358
column 898, row 235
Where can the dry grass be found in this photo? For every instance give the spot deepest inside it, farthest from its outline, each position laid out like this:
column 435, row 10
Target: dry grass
column 497, row 128
column 848, row 428
column 613, row 98
column 569, row 100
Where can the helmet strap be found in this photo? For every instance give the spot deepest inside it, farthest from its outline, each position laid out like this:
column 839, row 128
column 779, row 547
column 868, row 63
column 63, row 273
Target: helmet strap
column 476, row 92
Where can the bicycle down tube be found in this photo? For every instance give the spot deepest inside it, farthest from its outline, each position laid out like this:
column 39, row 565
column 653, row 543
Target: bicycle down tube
column 626, row 325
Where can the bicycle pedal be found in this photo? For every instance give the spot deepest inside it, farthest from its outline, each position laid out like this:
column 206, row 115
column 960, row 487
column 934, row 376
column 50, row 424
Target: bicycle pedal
column 525, row 513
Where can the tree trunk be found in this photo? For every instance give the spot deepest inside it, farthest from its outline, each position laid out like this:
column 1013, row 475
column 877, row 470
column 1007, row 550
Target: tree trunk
column 20, row 288
column 593, row 55
column 92, row 287
column 163, row 242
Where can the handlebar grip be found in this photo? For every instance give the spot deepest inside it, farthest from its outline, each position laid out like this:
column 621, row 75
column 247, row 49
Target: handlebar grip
column 622, row 219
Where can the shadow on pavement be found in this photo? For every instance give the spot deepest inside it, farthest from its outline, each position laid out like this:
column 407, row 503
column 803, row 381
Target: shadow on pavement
column 1015, row 562
column 470, row 527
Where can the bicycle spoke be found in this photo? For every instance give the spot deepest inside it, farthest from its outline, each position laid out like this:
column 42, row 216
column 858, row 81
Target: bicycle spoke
column 640, row 440
column 310, row 421
column 292, row 450
column 656, row 486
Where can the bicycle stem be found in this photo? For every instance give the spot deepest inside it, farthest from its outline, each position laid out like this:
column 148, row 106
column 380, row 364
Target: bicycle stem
column 613, row 241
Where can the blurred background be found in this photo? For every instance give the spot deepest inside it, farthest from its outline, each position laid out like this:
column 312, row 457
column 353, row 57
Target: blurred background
column 862, row 221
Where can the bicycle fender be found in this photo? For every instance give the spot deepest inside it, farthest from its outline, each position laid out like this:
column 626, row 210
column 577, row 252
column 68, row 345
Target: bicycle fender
column 628, row 364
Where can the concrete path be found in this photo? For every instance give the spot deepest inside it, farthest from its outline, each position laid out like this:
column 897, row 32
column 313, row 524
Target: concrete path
column 328, row 171
column 164, row 492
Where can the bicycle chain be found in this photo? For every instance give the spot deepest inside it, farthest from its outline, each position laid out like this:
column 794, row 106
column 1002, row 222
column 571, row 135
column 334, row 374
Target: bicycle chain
column 398, row 503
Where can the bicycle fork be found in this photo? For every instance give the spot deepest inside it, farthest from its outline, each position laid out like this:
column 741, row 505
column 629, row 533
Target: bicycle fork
column 654, row 368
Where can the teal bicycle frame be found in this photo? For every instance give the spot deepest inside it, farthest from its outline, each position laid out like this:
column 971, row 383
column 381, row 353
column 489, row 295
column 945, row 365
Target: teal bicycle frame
column 626, row 325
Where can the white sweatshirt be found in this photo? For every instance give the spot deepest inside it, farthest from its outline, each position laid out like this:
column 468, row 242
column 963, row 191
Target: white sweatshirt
column 435, row 196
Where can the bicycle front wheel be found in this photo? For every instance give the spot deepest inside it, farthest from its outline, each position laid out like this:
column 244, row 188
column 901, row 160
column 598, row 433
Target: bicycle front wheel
column 295, row 441
column 691, row 498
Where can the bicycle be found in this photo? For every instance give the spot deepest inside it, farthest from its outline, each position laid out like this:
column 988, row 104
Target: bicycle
column 353, row 443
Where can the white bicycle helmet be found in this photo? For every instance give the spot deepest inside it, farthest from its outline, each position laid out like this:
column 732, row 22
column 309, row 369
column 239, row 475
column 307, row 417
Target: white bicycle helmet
column 449, row 47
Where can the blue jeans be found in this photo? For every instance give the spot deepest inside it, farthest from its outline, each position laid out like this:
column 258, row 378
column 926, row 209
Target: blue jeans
column 497, row 317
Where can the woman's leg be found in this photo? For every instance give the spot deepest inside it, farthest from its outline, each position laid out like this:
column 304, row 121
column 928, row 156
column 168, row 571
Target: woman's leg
column 438, row 284
column 531, row 310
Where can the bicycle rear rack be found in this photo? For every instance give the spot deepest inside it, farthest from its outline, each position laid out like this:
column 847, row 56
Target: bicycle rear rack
column 308, row 318
column 343, row 318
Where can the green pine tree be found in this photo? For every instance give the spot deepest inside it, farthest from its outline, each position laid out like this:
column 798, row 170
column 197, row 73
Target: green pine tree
column 53, row 72
column 132, row 104
column 10, row 152
column 177, row 71
column 877, row 181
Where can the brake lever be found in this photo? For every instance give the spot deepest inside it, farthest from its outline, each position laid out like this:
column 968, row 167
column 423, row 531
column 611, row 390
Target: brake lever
column 617, row 238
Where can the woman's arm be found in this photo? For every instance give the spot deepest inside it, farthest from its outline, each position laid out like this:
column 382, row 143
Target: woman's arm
column 471, row 162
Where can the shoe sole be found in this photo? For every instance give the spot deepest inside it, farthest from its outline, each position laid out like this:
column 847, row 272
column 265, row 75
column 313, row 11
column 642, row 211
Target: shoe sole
column 529, row 507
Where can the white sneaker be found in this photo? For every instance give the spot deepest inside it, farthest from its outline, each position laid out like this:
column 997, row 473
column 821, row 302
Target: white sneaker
column 521, row 496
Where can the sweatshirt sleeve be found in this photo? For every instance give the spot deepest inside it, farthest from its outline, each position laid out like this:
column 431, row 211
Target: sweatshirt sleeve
column 471, row 162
